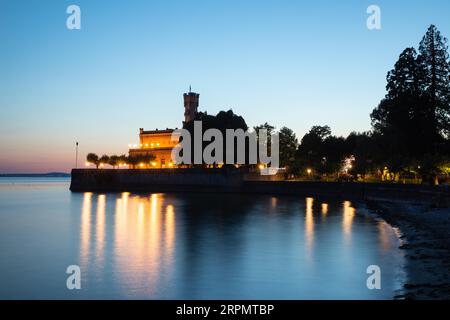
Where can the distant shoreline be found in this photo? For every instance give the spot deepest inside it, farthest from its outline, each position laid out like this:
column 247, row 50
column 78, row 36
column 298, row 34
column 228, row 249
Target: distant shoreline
column 35, row 175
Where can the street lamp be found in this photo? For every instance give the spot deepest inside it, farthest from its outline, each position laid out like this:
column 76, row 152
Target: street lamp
column 76, row 155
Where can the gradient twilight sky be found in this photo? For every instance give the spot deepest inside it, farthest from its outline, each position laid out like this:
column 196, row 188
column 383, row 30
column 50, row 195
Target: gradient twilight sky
column 293, row 63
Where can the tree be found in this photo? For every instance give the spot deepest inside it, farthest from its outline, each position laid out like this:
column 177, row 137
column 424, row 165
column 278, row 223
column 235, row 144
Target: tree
column 269, row 128
column 268, row 143
column 365, row 148
column 147, row 158
column 123, row 159
column 311, row 153
column 412, row 122
column 288, row 147
column 222, row 121
column 432, row 166
column 114, row 161
column 144, row 159
column 434, row 59
column 93, row 158
column 133, row 161
column 397, row 117
column 334, row 151
column 320, row 132
column 104, row 159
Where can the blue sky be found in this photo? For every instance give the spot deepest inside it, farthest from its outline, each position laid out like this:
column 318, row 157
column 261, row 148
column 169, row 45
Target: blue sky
column 292, row 63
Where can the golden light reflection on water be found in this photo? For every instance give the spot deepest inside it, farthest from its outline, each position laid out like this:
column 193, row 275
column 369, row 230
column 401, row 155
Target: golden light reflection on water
column 169, row 232
column 100, row 228
column 143, row 239
column 324, row 209
column 309, row 226
column 273, row 202
column 130, row 243
column 85, row 226
column 384, row 235
column 154, row 238
column 347, row 219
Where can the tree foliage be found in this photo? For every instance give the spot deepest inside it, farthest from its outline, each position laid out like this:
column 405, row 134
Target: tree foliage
column 412, row 121
column 222, row 121
column 288, row 147
column 93, row 158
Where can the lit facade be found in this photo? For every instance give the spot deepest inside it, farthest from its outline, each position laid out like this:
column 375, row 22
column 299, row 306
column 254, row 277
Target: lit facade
column 159, row 143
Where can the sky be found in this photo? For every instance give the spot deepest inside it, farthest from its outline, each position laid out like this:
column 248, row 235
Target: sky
column 290, row 63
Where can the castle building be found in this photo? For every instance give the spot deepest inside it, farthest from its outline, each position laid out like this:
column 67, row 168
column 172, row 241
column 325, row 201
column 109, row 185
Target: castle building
column 159, row 143
column 190, row 106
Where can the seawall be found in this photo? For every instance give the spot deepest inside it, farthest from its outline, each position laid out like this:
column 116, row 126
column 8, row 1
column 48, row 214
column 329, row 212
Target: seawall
column 407, row 193
column 156, row 180
column 229, row 180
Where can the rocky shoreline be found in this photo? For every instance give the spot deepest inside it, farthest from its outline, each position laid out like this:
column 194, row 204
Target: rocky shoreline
column 426, row 241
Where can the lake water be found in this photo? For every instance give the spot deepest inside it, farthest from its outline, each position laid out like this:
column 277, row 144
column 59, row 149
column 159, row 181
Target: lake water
column 189, row 246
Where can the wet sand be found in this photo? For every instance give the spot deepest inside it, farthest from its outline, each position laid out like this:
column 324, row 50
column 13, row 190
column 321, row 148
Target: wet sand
column 426, row 240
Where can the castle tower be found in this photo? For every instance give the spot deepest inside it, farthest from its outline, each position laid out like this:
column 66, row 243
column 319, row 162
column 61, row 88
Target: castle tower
column 190, row 105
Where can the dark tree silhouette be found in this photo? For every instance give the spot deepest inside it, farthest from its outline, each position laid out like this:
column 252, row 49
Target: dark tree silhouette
column 398, row 117
column 123, row 159
column 267, row 144
column 311, row 152
column 133, row 161
column 288, row 147
column 334, row 151
column 222, row 121
column 412, row 121
column 93, row 158
column 144, row 159
column 367, row 152
column 114, row 161
column 434, row 60
column 104, row 159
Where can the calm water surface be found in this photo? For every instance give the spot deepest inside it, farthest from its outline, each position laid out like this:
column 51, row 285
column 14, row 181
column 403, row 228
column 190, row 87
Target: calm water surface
column 188, row 246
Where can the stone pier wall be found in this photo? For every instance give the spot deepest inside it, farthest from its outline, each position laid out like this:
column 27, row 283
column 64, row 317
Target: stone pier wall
column 231, row 180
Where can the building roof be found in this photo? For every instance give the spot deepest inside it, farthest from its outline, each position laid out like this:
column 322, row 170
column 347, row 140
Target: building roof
column 156, row 131
column 149, row 150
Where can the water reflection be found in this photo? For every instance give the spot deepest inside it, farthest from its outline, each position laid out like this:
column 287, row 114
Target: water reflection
column 384, row 235
column 131, row 240
column 143, row 238
column 309, row 226
column 169, row 233
column 324, row 209
column 273, row 201
column 100, row 230
column 191, row 246
column 85, row 231
column 347, row 219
